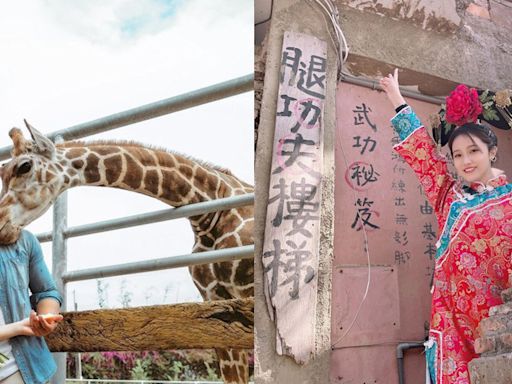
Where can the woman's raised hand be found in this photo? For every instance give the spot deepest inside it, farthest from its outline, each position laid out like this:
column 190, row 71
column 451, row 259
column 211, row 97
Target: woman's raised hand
column 391, row 86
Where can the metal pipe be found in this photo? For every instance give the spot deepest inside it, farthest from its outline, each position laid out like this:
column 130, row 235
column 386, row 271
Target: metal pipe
column 163, row 107
column 59, row 266
column 228, row 254
column 374, row 84
column 154, row 217
column 400, row 348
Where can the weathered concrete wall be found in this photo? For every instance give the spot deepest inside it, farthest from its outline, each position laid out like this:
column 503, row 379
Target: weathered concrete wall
column 458, row 40
column 290, row 15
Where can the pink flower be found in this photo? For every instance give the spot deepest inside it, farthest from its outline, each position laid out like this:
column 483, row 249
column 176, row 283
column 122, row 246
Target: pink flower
column 463, row 105
column 467, row 260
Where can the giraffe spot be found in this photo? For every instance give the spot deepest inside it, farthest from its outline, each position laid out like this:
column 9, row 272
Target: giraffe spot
column 229, row 373
column 241, row 371
column 206, row 241
column 78, row 164
column 73, row 153
column 223, row 354
column 244, row 272
column 49, row 175
column 91, row 172
column 107, row 150
column 222, row 292
column 174, row 189
column 223, row 270
column 113, row 167
column 228, row 242
column 133, row 176
column 235, row 354
column 228, row 223
column 202, row 273
column 144, row 156
column 151, row 181
column 205, row 182
column 66, row 179
column 186, row 171
column 166, row 159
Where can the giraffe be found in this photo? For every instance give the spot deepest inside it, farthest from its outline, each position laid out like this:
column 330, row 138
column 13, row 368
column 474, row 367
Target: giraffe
column 40, row 170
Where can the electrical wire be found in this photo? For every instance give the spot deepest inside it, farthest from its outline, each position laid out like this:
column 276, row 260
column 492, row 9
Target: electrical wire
column 340, row 42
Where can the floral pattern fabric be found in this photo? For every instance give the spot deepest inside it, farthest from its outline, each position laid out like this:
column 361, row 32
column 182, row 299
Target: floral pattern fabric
column 473, row 260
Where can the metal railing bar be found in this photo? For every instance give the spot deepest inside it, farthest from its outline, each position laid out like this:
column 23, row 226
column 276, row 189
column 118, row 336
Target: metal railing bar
column 145, row 112
column 154, row 217
column 216, row 256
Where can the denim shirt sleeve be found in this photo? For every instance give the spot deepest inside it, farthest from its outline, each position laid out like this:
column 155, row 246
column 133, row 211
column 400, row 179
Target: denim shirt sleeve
column 41, row 282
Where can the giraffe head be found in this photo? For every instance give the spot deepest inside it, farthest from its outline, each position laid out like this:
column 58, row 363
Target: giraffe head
column 30, row 182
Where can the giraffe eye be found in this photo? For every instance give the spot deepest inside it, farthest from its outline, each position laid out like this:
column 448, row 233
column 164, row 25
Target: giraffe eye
column 23, row 168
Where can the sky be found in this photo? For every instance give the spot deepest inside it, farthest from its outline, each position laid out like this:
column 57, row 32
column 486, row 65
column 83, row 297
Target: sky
column 66, row 63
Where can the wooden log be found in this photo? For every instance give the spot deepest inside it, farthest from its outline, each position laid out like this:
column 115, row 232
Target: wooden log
column 212, row 324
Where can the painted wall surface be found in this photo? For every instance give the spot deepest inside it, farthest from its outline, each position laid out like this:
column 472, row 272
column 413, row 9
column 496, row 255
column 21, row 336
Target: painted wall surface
column 373, row 182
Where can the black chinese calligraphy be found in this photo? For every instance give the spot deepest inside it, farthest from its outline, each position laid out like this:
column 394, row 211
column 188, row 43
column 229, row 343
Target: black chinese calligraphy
column 401, row 257
column 361, row 175
column 290, row 151
column 300, row 208
column 363, row 216
column 293, row 263
column 361, row 116
column 368, row 143
column 311, row 71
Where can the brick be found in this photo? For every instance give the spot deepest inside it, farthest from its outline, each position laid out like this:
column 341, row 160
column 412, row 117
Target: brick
column 493, row 325
column 506, row 295
column 485, row 344
column 506, row 342
column 479, row 11
column 491, row 370
column 501, row 309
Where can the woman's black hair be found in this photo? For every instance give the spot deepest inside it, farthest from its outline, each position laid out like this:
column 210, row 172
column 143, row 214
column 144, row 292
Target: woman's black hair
column 472, row 129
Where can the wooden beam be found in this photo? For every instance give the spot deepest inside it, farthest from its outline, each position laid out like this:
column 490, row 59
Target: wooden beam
column 212, row 324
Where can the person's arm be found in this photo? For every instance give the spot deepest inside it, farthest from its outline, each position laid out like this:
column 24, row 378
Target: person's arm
column 419, row 150
column 45, row 299
column 19, row 328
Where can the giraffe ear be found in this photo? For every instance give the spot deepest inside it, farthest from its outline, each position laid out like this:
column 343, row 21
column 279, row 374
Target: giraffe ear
column 43, row 145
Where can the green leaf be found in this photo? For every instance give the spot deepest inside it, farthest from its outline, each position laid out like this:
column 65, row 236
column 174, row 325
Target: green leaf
column 491, row 114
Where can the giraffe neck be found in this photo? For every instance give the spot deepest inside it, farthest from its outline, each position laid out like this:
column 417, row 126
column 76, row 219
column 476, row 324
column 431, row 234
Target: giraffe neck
column 168, row 177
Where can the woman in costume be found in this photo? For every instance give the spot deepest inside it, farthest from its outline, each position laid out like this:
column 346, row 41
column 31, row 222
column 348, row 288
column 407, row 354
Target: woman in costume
column 474, row 248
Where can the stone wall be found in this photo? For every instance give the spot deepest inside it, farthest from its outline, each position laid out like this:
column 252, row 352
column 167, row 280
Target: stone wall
column 495, row 346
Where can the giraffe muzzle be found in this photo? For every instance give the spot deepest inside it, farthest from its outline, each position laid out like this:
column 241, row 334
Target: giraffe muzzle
column 9, row 233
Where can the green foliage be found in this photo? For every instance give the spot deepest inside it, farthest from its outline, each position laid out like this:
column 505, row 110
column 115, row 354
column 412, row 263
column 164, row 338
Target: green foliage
column 166, row 365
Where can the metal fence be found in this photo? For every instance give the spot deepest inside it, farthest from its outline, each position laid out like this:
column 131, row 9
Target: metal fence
column 61, row 232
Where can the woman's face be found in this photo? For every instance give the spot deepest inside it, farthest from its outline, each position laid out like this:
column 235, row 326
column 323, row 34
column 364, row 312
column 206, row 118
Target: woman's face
column 471, row 158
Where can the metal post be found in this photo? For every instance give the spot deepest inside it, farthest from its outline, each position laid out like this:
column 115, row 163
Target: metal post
column 59, row 267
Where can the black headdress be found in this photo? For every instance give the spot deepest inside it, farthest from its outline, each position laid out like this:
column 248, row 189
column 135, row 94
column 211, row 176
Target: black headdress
column 493, row 108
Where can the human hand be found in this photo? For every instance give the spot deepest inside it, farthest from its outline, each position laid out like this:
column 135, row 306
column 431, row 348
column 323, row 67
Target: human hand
column 44, row 324
column 391, row 86
column 23, row 328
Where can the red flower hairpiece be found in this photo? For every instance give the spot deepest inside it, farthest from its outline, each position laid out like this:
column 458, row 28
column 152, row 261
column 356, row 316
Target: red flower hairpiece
column 463, row 105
